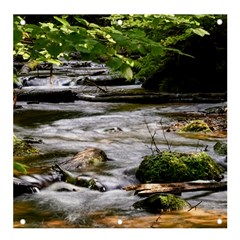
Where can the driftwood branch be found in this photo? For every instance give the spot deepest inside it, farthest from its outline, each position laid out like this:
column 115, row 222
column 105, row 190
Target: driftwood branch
column 177, row 188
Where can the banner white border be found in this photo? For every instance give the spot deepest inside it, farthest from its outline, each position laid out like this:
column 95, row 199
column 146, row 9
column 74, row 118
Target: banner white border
column 104, row 7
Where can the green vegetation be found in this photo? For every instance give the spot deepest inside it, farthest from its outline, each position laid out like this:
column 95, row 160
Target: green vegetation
column 161, row 202
column 21, row 148
column 139, row 46
column 195, row 126
column 177, row 167
column 20, row 168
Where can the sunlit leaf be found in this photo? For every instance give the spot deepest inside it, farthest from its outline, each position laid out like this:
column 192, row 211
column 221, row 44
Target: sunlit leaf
column 62, row 20
column 82, row 21
column 127, row 72
column 93, row 25
column 201, row 32
column 54, row 61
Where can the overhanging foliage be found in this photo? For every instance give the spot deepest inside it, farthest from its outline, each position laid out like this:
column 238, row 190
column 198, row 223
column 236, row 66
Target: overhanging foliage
column 130, row 43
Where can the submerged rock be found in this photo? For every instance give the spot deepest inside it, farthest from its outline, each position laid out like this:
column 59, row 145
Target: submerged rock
column 161, row 202
column 63, row 187
column 89, row 156
column 178, row 167
column 79, row 180
column 220, row 148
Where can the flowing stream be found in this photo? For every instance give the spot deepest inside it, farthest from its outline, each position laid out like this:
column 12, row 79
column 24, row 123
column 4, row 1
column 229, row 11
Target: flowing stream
column 120, row 130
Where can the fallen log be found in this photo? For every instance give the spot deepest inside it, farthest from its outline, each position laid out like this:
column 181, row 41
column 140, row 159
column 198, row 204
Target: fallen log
column 45, row 95
column 176, row 188
column 68, row 94
column 152, row 97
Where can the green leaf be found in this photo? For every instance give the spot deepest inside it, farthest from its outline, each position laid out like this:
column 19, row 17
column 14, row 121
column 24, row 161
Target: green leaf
column 54, row 49
column 82, row 21
column 127, row 72
column 201, row 32
column 142, row 49
column 17, row 36
column 93, row 25
column 40, row 43
column 136, row 33
column 62, row 20
column 26, row 56
column 120, row 39
column 114, row 63
column 15, row 79
column 157, row 50
column 22, row 168
column 54, row 61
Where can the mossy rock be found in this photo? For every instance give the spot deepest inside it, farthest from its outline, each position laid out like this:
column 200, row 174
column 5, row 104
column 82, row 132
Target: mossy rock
column 178, row 167
column 161, row 202
column 220, row 148
column 87, row 157
column 195, row 126
column 22, row 148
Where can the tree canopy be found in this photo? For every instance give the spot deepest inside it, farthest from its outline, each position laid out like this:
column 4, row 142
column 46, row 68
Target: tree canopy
column 137, row 45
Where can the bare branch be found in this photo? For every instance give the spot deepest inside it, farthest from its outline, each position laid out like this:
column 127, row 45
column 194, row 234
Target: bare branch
column 169, row 147
column 152, row 135
column 155, row 221
column 191, row 207
column 94, row 84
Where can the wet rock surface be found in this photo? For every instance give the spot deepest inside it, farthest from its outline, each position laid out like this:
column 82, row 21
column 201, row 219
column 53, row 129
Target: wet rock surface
column 69, row 73
column 87, row 157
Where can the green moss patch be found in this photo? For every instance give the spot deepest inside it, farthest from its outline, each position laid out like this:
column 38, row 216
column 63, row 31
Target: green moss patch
column 161, row 202
column 195, row 126
column 178, row 167
column 21, row 148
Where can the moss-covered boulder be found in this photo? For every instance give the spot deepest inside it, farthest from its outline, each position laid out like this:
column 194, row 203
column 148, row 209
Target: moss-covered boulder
column 161, row 202
column 220, row 148
column 22, row 148
column 87, row 157
column 195, row 126
column 178, row 167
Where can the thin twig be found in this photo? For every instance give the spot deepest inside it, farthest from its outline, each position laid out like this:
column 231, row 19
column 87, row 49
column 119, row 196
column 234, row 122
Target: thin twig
column 156, row 221
column 197, row 146
column 153, row 142
column 94, row 84
column 169, row 148
column 191, row 207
